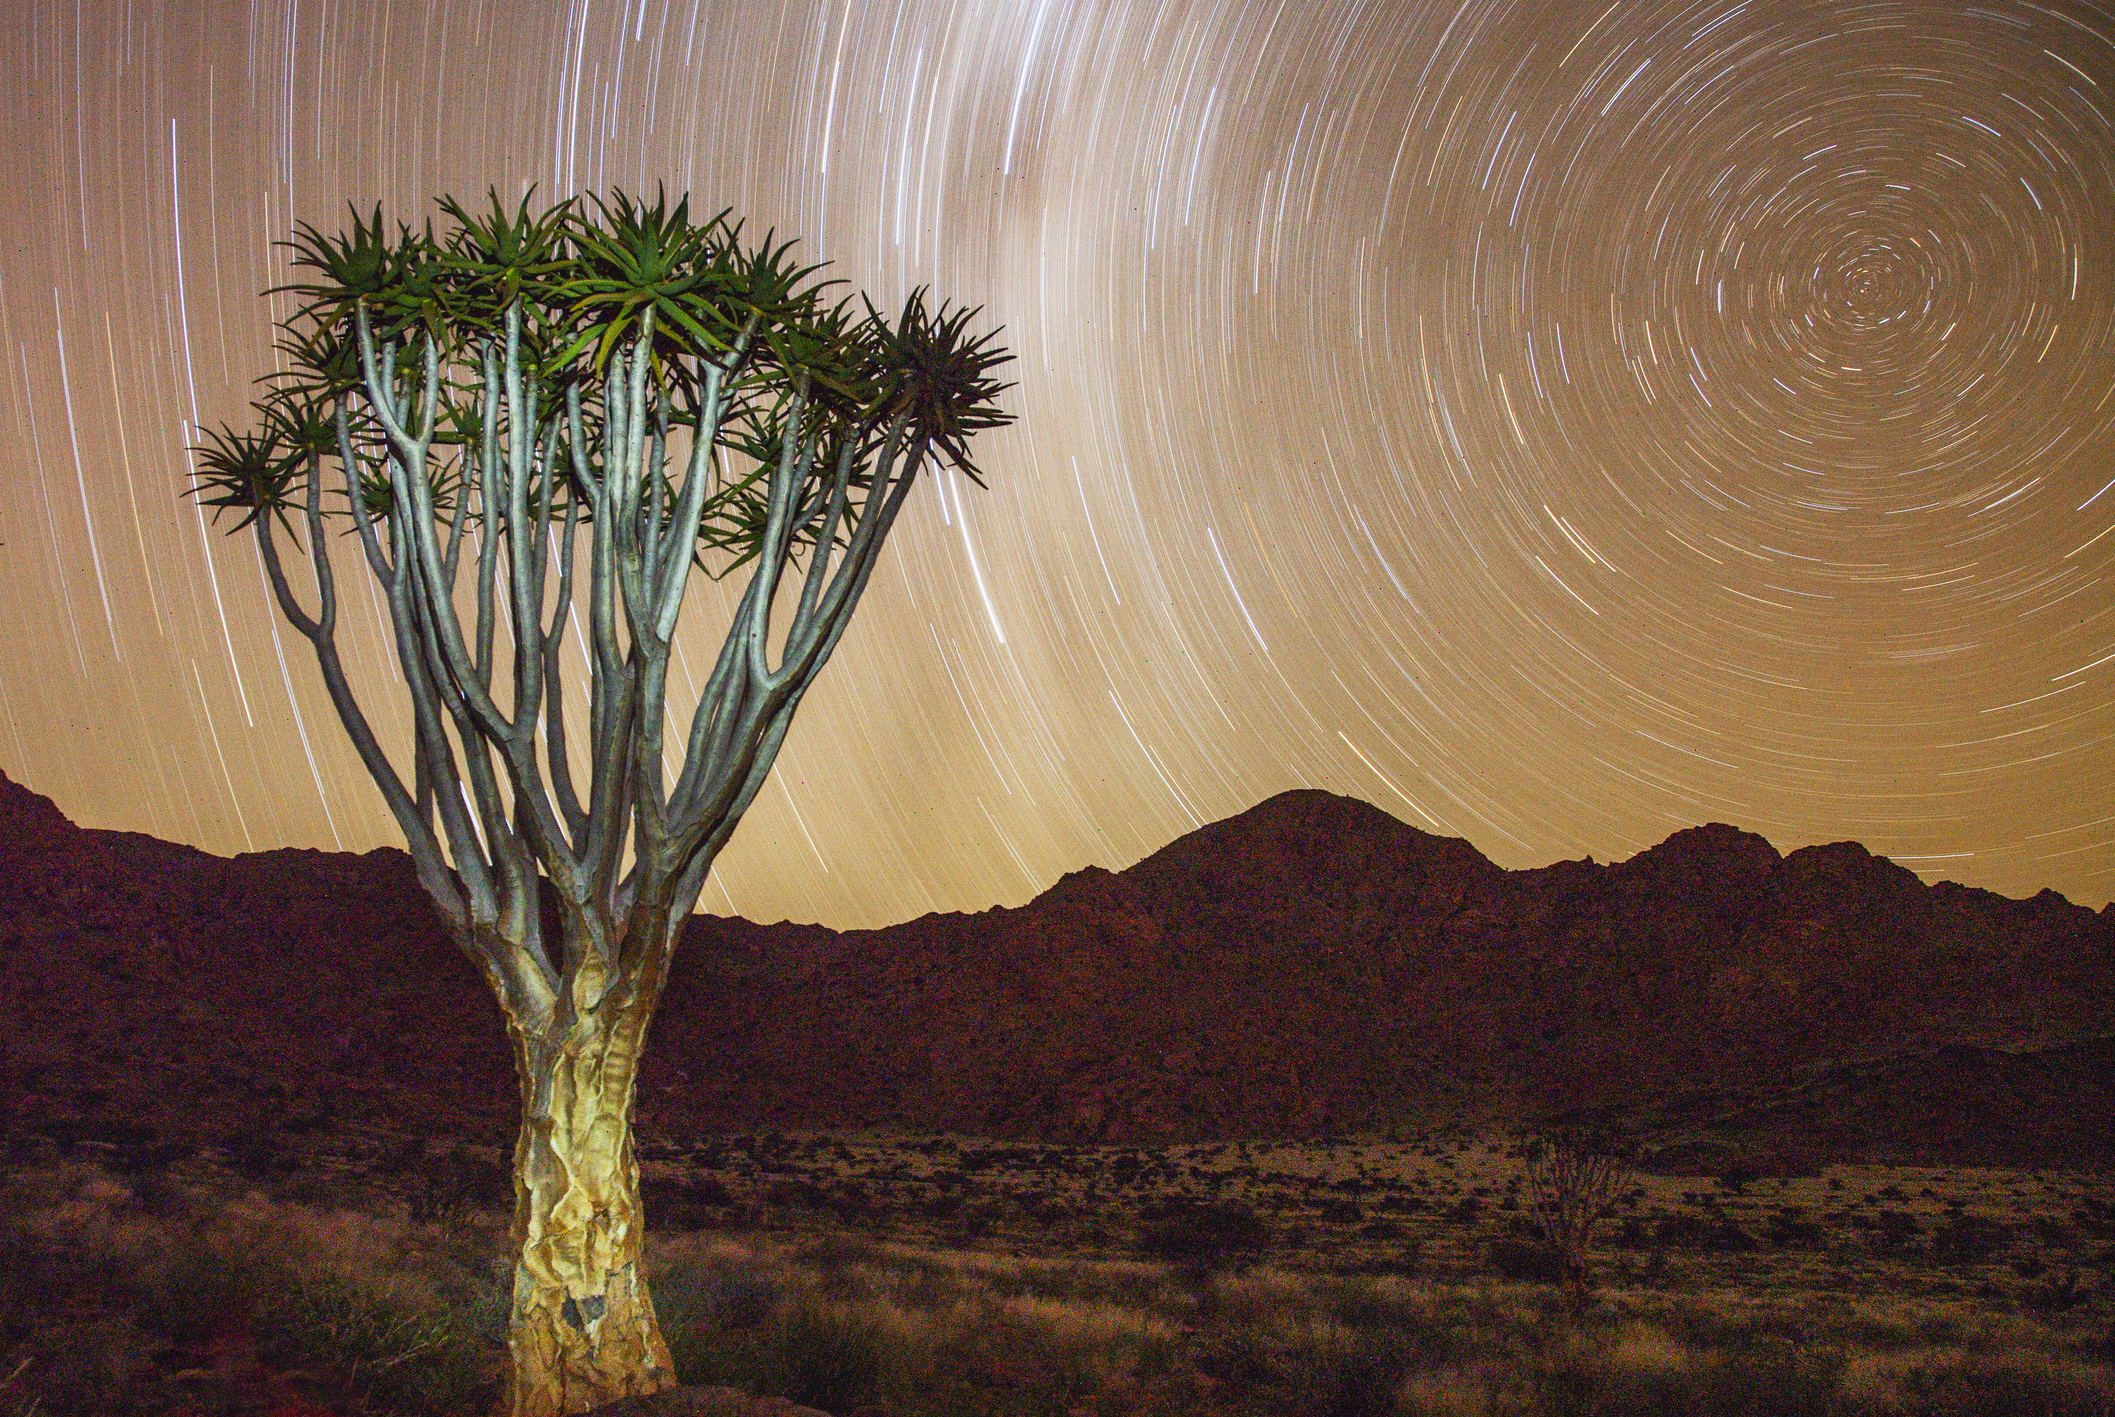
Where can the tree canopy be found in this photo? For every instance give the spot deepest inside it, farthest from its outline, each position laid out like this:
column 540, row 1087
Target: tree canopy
column 538, row 376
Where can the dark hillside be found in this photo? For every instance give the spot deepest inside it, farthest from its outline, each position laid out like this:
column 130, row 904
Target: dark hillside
column 1309, row 966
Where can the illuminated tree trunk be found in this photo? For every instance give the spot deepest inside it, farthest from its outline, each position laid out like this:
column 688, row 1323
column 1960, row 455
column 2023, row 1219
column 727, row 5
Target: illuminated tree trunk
column 581, row 1329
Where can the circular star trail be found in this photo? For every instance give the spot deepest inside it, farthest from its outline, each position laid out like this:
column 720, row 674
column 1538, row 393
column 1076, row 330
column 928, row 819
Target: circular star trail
column 1556, row 424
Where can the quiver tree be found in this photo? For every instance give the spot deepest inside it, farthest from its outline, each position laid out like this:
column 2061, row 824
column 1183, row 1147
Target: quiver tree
column 484, row 401
column 1575, row 1176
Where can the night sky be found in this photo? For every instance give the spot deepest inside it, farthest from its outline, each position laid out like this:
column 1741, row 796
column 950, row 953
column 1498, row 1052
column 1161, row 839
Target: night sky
column 1555, row 424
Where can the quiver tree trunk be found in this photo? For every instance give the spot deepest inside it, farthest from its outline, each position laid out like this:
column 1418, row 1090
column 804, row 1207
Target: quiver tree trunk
column 581, row 1330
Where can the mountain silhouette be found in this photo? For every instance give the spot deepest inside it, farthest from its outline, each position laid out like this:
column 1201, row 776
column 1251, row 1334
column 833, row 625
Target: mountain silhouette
column 1311, row 966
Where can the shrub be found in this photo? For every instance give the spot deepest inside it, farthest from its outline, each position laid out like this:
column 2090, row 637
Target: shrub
column 2061, row 1293
column 1329, row 1370
column 830, row 1358
column 1200, row 1239
column 1896, row 1231
column 1527, row 1260
column 1791, row 1227
column 1968, row 1239
column 388, row 1350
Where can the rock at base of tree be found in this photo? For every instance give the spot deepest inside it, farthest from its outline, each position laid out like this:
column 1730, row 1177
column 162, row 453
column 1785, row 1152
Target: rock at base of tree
column 704, row 1402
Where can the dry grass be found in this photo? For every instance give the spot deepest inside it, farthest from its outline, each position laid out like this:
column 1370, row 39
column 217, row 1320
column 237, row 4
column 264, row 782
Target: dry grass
column 921, row 1278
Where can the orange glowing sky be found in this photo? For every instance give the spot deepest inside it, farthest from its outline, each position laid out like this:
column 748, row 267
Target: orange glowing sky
column 1556, row 424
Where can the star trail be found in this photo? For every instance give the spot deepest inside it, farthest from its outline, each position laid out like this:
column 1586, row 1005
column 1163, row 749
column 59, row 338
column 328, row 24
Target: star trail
column 1555, row 424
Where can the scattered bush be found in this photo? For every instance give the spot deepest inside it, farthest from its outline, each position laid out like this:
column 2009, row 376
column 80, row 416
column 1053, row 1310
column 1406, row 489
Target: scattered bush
column 830, row 1358
column 1790, row 1228
column 2060, row 1293
column 1528, row 1260
column 1200, row 1239
column 1966, row 1238
column 373, row 1315
column 441, row 1179
column 1895, row 1231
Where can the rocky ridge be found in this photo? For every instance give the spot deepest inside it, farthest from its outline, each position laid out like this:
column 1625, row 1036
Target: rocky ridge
column 1310, row 966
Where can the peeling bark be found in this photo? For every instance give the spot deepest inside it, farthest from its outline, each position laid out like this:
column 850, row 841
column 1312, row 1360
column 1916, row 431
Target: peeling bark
column 581, row 1331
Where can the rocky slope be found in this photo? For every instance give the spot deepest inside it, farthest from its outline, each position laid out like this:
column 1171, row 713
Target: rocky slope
column 1311, row 965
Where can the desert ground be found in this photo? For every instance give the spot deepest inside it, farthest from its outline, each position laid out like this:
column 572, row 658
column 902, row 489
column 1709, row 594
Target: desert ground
column 920, row 1276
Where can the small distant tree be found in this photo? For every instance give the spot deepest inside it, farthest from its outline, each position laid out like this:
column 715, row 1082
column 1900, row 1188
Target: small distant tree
column 1574, row 1178
column 484, row 400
